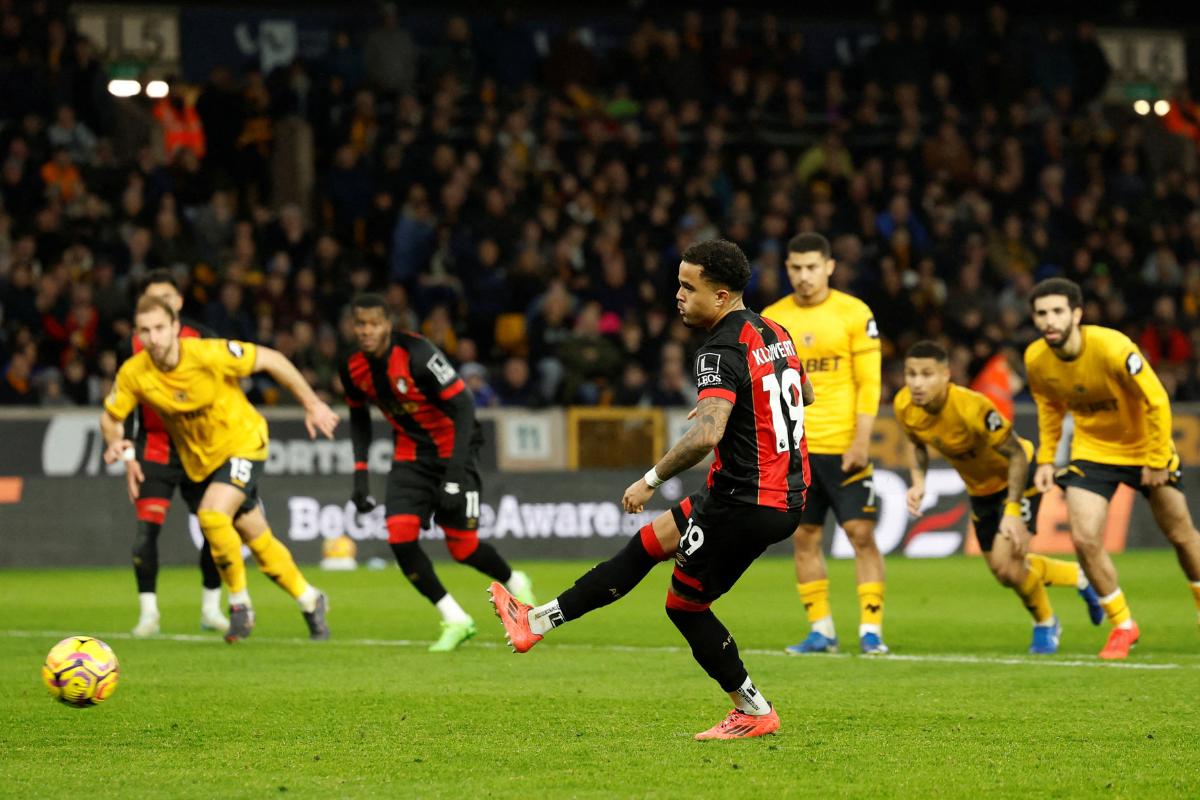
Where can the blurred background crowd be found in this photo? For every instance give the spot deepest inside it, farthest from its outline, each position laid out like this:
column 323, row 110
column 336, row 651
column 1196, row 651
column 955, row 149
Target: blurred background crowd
column 525, row 206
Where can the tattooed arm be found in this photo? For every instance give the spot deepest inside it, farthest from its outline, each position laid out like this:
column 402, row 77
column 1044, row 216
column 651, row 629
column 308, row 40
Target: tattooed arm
column 1013, row 523
column 708, row 427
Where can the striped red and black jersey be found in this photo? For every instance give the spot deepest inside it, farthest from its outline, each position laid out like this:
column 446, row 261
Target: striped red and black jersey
column 151, row 439
column 413, row 384
column 762, row 457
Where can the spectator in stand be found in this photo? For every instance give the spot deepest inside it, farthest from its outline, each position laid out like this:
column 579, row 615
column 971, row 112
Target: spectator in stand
column 1166, row 346
column 516, row 387
column 591, row 363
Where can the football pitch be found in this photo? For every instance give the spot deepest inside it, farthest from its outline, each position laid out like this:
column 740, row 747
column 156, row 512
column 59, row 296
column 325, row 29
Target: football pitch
column 605, row 707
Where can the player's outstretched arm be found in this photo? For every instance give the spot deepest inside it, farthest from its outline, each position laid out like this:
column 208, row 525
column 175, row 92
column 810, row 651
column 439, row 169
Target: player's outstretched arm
column 120, row 448
column 708, row 426
column 317, row 415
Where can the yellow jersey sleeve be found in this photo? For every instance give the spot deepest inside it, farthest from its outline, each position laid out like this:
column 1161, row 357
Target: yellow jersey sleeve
column 900, row 404
column 1050, row 410
column 122, row 400
column 1137, row 377
column 866, row 355
column 996, row 428
column 229, row 356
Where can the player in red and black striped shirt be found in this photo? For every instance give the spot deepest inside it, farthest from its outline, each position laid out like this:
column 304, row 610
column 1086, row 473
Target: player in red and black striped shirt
column 434, row 460
column 163, row 474
column 750, row 414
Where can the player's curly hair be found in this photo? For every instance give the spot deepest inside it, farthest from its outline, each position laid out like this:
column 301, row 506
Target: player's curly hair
column 721, row 262
column 1058, row 286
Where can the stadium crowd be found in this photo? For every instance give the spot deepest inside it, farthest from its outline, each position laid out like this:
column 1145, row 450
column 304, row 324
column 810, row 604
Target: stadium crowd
column 526, row 210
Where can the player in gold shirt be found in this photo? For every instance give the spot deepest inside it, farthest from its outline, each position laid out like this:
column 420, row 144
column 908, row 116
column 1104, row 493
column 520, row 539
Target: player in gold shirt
column 222, row 442
column 967, row 429
column 838, row 343
column 1122, row 435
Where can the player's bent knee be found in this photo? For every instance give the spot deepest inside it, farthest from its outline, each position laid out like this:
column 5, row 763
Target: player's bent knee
column 403, row 528
column 677, row 603
column 152, row 510
column 461, row 544
column 212, row 518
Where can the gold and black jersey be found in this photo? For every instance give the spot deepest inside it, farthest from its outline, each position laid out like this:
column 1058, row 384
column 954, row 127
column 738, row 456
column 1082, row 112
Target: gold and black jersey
column 966, row 430
column 837, row 341
column 1122, row 413
column 201, row 402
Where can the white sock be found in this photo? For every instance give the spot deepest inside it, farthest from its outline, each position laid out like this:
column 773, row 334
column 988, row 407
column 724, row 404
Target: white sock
column 863, row 630
column 749, row 701
column 546, row 617
column 1127, row 624
column 1108, row 598
column 451, row 611
column 1081, row 582
column 241, row 598
column 1047, row 624
column 210, row 600
column 308, row 599
column 149, row 603
column 824, row 626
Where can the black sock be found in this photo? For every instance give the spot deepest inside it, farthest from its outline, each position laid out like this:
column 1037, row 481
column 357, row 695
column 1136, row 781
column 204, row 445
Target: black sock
column 210, row 576
column 145, row 556
column 419, row 570
column 489, row 562
column 712, row 646
column 608, row 581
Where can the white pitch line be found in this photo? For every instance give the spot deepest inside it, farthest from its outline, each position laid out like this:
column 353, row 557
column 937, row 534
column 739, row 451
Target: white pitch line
column 943, row 658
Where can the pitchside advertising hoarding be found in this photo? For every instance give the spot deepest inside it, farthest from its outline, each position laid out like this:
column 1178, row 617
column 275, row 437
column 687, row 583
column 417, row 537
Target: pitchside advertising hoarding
column 59, row 504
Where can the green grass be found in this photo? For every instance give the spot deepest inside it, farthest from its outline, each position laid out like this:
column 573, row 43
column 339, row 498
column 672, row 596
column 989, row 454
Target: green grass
column 607, row 706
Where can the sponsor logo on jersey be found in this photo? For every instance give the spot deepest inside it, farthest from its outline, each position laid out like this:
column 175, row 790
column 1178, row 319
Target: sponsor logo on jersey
column 707, row 380
column 826, row 364
column 872, row 329
column 235, row 348
column 993, row 421
column 402, row 385
column 708, row 364
column 1134, row 364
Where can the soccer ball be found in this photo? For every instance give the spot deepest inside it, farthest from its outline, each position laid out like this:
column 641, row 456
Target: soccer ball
column 81, row 671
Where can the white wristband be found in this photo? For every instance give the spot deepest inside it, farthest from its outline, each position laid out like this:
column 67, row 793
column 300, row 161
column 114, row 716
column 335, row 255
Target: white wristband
column 127, row 454
column 651, row 478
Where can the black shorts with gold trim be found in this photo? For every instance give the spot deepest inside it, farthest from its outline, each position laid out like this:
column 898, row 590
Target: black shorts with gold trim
column 1103, row 479
column 849, row 495
column 987, row 511
column 241, row 473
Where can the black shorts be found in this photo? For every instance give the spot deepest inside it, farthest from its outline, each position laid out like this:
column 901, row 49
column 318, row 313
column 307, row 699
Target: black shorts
column 416, row 488
column 161, row 480
column 241, row 473
column 849, row 496
column 720, row 541
column 682, row 512
column 986, row 512
column 1103, row 479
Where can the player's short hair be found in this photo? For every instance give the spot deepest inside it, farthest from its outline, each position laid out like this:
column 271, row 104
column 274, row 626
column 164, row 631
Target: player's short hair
column 810, row 243
column 150, row 303
column 369, row 300
column 1058, row 286
column 928, row 349
column 721, row 262
column 157, row 276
